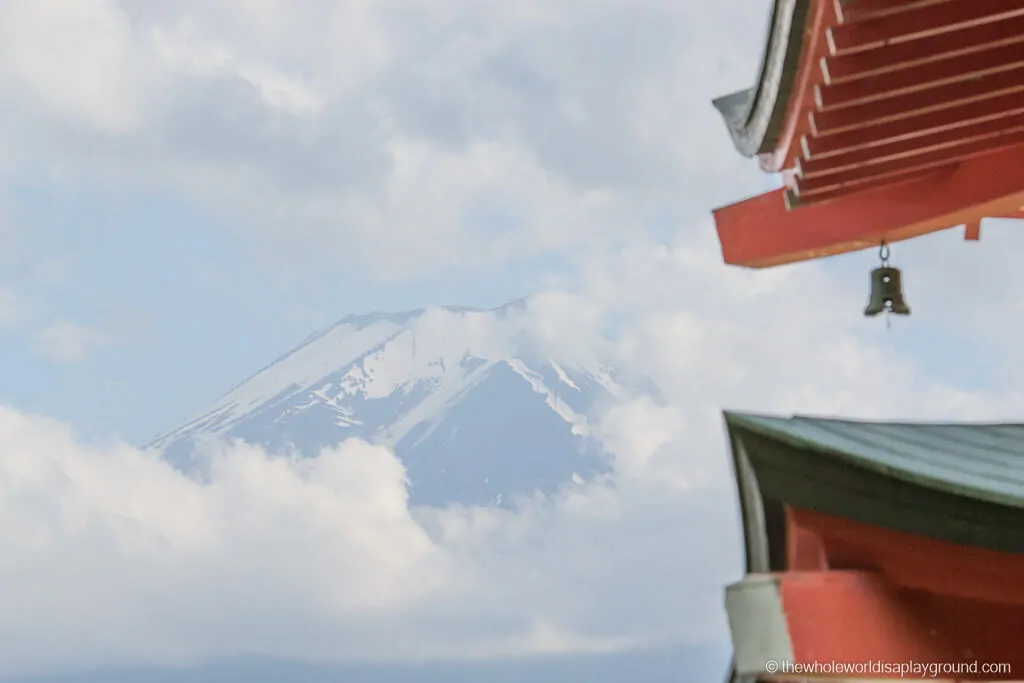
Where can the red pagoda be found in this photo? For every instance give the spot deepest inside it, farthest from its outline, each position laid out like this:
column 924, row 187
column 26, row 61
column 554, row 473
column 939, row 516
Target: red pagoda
column 878, row 551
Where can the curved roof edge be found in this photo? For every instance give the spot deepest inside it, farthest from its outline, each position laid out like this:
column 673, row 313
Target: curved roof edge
column 943, row 456
column 755, row 116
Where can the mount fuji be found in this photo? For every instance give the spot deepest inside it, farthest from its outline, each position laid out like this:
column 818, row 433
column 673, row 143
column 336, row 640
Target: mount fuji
column 468, row 399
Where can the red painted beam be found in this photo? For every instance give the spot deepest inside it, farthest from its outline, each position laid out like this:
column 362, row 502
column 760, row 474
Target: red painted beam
column 978, row 111
column 860, row 65
column 917, row 103
column 762, row 232
column 918, row 23
column 805, row 546
column 921, row 77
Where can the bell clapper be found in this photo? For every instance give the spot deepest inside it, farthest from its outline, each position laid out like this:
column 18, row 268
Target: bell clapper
column 883, row 255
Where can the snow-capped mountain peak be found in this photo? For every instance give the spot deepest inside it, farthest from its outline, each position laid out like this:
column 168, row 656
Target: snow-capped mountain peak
column 467, row 398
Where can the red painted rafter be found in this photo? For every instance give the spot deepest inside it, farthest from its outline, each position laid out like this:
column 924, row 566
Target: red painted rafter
column 909, row 147
column 901, row 166
column 916, row 103
column 762, row 231
column 949, row 118
column 921, row 77
column 858, row 10
column 918, row 23
column 933, row 173
column 860, row 65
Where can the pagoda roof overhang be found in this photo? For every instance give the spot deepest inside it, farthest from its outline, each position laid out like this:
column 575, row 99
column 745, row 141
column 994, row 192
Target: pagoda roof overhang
column 866, row 105
column 905, row 529
column 755, row 117
column 957, row 483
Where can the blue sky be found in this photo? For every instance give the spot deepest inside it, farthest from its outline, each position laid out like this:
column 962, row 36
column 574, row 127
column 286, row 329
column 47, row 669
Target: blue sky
column 187, row 303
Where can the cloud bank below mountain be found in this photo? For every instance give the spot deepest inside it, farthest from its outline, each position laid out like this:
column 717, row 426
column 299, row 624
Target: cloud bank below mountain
column 115, row 558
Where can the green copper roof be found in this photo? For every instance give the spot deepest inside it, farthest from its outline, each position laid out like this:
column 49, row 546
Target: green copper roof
column 962, row 483
column 983, row 462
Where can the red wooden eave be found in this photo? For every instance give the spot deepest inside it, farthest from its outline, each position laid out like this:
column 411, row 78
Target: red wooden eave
column 903, row 117
column 764, row 231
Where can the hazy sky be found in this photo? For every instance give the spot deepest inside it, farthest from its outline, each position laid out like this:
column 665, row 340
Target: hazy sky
column 193, row 187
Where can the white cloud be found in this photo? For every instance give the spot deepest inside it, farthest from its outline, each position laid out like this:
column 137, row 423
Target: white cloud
column 65, row 341
column 406, row 137
column 112, row 556
column 73, row 61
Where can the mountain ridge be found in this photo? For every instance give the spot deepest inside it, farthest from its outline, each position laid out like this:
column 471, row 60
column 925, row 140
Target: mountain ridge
column 364, row 319
column 468, row 399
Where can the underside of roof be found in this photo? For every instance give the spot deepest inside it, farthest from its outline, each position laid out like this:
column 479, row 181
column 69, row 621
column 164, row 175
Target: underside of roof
column 857, row 94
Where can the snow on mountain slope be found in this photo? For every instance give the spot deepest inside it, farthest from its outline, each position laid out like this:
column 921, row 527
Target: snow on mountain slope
column 465, row 397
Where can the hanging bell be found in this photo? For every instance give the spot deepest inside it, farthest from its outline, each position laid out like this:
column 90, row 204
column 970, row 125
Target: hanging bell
column 886, row 292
